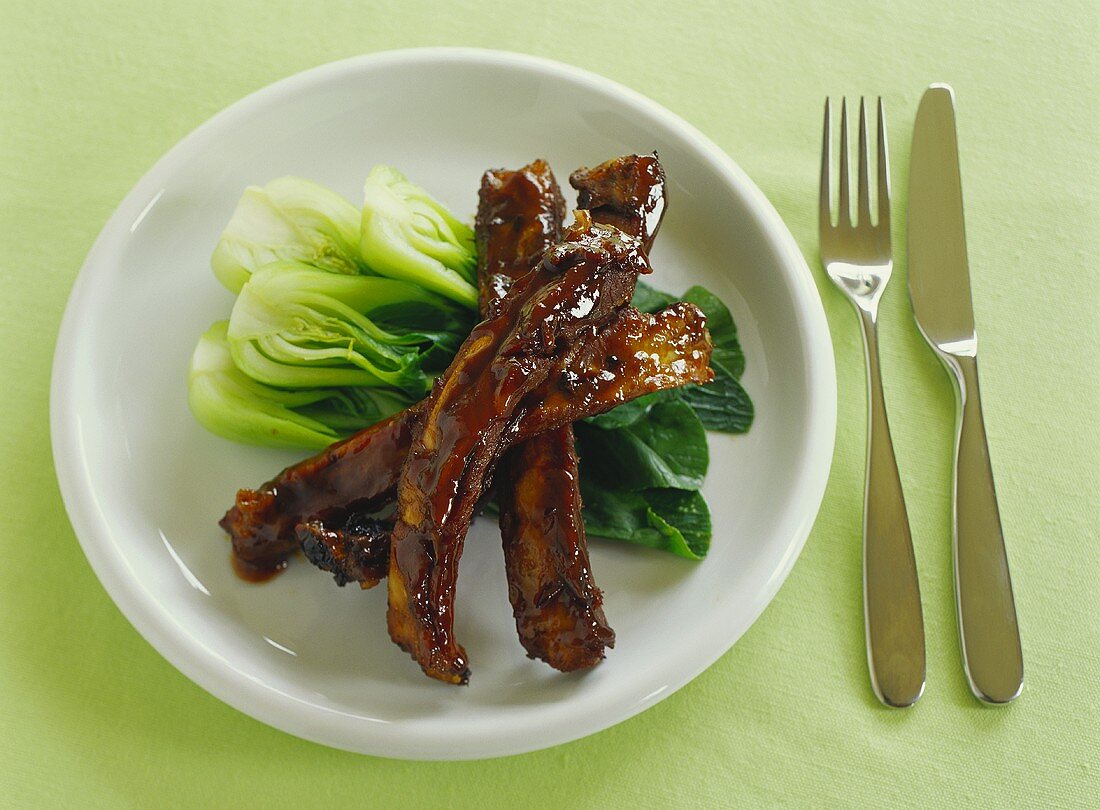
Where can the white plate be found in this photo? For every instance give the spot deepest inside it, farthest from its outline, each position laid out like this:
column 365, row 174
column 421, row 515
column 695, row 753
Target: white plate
column 144, row 484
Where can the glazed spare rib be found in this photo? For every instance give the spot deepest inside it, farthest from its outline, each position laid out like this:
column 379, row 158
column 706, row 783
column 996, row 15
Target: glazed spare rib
column 628, row 192
column 578, row 287
column 556, row 604
column 519, row 218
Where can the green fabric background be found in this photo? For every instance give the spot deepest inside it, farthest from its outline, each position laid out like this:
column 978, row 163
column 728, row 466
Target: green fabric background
column 93, row 93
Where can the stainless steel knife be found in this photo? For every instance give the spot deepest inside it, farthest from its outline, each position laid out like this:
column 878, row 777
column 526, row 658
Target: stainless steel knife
column 939, row 287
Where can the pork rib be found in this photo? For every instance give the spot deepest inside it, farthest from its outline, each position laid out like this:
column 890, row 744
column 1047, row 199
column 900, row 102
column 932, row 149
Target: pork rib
column 578, row 287
column 555, row 602
column 628, row 192
column 518, row 218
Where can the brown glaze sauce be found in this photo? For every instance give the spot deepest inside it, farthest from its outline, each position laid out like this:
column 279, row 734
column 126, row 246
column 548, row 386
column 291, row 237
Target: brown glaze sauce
column 637, row 355
column 580, row 283
column 555, row 602
column 519, row 216
column 542, row 532
column 263, row 571
column 353, row 548
column 361, row 469
column 628, row 192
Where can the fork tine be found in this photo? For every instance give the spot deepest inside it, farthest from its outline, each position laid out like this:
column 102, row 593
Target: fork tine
column 844, row 215
column 825, row 199
column 863, row 198
column 883, row 174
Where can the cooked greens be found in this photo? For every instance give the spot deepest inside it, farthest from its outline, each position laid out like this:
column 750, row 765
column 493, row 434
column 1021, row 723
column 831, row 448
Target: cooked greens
column 660, row 443
column 289, row 218
column 407, row 234
column 294, row 326
column 322, row 342
column 642, row 464
column 675, row 520
column 721, row 404
column 234, row 406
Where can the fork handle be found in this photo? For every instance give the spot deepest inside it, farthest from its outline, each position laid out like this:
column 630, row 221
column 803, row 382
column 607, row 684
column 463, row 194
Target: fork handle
column 988, row 629
column 891, row 593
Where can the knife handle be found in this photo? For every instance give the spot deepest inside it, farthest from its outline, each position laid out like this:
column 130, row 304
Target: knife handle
column 891, row 593
column 988, row 630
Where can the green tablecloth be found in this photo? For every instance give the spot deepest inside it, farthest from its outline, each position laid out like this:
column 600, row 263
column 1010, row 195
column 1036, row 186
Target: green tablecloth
column 93, row 93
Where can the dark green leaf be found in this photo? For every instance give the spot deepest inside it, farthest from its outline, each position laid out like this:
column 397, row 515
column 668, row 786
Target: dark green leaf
column 687, row 513
column 721, row 404
column 423, row 316
column 723, row 331
column 347, row 410
column 674, row 520
column 666, row 446
column 439, row 351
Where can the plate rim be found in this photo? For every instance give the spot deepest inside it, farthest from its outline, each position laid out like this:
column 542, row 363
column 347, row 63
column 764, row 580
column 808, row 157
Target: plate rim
column 318, row 723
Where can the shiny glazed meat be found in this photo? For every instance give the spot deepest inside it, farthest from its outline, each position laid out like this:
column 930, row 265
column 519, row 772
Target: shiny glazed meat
column 519, row 217
column 555, row 601
column 580, row 283
column 359, row 471
column 355, row 548
column 627, row 192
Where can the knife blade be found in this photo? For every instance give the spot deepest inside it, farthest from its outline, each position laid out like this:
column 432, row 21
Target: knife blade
column 939, row 275
column 939, row 289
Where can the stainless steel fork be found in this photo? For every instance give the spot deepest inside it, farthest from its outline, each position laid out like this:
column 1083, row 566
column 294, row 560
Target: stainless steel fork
column 857, row 257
